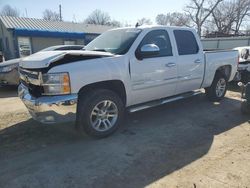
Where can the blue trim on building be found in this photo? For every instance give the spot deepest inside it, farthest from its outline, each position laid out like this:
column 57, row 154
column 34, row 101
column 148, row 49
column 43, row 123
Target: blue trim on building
column 46, row 33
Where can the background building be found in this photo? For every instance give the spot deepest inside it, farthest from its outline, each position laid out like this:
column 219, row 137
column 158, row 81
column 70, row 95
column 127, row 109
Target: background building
column 20, row 37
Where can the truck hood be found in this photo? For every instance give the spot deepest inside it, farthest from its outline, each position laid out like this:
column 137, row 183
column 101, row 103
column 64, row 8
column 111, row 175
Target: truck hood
column 45, row 59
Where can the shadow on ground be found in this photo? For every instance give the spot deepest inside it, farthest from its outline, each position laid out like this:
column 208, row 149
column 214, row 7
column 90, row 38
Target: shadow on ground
column 151, row 144
column 8, row 91
column 233, row 86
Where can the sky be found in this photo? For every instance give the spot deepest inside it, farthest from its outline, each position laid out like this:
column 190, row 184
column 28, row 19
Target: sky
column 125, row 11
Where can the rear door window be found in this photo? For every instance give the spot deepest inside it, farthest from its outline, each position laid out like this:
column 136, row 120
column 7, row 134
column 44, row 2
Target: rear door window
column 186, row 42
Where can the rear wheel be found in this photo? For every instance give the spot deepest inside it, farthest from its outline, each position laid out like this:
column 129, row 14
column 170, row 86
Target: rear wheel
column 100, row 112
column 218, row 89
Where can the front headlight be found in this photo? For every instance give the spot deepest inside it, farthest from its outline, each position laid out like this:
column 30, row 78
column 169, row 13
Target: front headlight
column 56, row 84
column 8, row 68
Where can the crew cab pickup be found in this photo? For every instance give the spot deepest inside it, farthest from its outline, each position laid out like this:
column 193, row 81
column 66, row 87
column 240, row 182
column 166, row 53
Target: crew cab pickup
column 125, row 68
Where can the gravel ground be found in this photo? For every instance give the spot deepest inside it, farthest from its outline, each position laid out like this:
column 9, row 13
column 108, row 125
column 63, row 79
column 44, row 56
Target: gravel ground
column 189, row 143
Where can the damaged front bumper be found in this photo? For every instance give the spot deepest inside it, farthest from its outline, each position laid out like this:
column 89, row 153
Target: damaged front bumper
column 49, row 109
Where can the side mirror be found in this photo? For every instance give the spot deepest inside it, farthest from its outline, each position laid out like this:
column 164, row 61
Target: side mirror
column 147, row 51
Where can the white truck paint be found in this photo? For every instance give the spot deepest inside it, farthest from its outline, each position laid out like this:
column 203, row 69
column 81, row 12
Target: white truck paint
column 145, row 79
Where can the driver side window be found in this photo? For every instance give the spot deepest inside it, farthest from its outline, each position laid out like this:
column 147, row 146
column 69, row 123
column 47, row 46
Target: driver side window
column 159, row 38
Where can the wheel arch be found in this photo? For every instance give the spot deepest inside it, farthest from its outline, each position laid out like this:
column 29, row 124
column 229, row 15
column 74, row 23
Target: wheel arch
column 226, row 70
column 116, row 86
column 211, row 74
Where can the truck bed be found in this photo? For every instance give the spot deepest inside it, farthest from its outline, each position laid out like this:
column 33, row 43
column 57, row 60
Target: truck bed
column 216, row 59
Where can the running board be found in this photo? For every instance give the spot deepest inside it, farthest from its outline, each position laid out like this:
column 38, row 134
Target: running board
column 163, row 101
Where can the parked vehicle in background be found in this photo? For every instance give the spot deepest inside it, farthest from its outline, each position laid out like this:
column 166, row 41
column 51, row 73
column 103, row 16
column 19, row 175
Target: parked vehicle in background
column 126, row 68
column 63, row 47
column 9, row 69
column 245, row 96
column 1, row 57
column 244, row 63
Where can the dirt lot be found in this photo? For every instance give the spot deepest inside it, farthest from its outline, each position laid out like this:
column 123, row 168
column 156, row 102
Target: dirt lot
column 190, row 143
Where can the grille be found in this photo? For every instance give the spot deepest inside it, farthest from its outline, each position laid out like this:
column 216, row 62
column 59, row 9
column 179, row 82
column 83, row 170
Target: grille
column 30, row 77
column 33, row 75
column 32, row 80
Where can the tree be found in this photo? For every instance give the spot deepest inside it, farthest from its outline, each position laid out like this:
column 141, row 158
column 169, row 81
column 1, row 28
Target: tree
column 173, row 19
column 229, row 16
column 98, row 17
column 115, row 23
column 242, row 12
column 223, row 17
column 7, row 10
column 144, row 21
column 200, row 10
column 162, row 19
column 51, row 15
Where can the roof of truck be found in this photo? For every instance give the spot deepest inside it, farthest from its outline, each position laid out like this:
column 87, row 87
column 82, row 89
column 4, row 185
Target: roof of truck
column 161, row 26
column 156, row 27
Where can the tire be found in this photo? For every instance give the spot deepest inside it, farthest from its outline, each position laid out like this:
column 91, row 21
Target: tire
column 218, row 89
column 245, row 108
column 100, row 112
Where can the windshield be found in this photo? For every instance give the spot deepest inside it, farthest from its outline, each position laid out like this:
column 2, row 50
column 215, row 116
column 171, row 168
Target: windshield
column 114, row 41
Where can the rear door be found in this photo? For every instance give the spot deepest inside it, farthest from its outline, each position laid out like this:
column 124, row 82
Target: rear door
column 154, row 77
column 190, row 61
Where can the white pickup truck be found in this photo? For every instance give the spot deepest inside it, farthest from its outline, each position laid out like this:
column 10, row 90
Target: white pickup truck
column 126, row 68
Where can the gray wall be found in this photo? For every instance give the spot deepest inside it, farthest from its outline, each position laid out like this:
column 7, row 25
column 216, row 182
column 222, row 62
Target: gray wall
column 10, row 48
column 8, row 43
column 39, row 43
column 225, row 43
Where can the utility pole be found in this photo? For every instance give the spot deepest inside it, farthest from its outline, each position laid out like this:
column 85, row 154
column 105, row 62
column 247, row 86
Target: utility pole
column 60, row 12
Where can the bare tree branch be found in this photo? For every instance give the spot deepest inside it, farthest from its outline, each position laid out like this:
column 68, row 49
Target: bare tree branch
column 229, row 16
column 98, row 17
column 7, row 10
column 224, row 17
column 50, row 15
column 144, row 21
column 242, row 12
column 200, row 10
column 173, row 19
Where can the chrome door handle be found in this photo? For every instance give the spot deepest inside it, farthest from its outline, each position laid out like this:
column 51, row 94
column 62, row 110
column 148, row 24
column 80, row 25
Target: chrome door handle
column 197, row 61
column 170, row 64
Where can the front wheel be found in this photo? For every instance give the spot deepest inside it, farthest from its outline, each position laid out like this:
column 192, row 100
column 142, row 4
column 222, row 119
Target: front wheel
column 218, row 89
column 100, row 112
